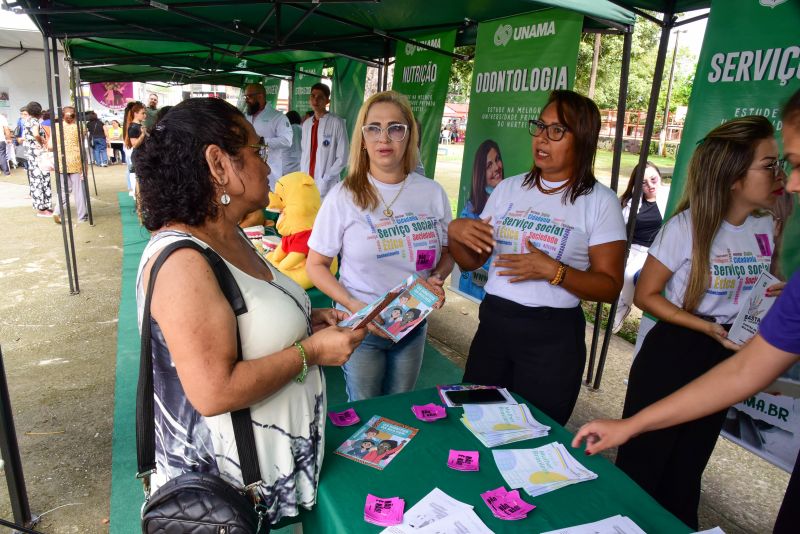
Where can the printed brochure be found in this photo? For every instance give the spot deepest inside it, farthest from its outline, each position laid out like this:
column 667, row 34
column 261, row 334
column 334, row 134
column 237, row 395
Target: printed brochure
column 400, row 310
column 754, row 309
column 377, row 443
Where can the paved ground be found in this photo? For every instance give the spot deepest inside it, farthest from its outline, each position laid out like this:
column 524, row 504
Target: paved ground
column 59, row 356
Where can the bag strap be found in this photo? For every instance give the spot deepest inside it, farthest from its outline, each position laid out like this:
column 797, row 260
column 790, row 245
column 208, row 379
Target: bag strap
column 145, row 414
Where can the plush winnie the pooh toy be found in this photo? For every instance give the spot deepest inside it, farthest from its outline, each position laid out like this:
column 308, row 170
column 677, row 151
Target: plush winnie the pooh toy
column 297, row 198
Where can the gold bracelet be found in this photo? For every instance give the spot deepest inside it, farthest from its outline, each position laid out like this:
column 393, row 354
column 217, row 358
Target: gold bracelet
column 304, row 372
column 559, row 277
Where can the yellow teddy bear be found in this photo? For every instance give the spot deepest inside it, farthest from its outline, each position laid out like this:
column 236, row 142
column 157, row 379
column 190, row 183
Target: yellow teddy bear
column 297, row 198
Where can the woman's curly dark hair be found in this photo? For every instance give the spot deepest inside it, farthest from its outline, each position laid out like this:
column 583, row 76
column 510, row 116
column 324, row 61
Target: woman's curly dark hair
column 175, row 184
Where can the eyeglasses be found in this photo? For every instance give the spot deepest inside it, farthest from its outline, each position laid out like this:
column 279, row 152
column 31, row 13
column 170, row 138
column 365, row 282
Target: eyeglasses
column 69, row 115
column 250, row 96
column 555, row 132
column 778, row 168
column 395, row 132
column 263, row 149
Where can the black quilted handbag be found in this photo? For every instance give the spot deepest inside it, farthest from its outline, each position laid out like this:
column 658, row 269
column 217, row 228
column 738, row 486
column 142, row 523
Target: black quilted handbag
column 196, row 503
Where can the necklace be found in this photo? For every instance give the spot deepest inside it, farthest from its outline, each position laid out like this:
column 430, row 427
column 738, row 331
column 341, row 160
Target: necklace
column 551, row 191
column 387, row 208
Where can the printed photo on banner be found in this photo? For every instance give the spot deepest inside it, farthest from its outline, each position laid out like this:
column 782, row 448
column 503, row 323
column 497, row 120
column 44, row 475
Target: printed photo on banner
column 487, row 173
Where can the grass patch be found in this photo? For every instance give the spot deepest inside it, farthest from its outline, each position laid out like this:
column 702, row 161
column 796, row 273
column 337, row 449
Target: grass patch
column 630, row 326
column 628, row 161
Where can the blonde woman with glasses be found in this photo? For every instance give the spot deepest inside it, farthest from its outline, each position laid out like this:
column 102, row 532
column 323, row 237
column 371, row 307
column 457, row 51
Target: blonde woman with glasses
column 699, row 270
column 387, row 222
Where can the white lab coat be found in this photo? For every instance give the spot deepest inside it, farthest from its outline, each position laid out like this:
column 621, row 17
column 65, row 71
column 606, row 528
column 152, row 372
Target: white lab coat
column 291, row 160
column 332, row 151
column 274, row 127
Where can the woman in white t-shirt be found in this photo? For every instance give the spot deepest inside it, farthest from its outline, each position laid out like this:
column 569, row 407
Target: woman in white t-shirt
column 556, row 236
column 649, row 217
column 387, row 223
column 699, row 270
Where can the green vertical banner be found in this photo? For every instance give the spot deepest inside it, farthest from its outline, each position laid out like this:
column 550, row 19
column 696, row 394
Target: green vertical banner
column 740, row 71
column 422, row 75
column 272, row 86
column 518, row 62
column 306, row 75
column 349, row 83
column 749, row 65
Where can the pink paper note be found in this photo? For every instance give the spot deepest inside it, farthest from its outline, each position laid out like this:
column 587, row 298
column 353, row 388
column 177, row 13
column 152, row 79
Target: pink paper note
column 384, row 512
column 429, row 412
column 463, row 460
column 506, row 505
column 345, row 418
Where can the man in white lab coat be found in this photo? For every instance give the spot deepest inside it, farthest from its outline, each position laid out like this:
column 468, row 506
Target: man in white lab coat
column 325, row 142
column 270, row 124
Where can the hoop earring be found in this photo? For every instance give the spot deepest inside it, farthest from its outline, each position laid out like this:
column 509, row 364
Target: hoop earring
column 224, row 199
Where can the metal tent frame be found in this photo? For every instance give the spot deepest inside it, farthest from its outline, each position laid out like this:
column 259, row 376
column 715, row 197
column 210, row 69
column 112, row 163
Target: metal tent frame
column 225, row 50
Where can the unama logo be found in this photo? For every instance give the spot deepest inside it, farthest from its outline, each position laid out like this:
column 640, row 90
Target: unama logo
column 410, row 49
column 771, row 3
column 503, row 34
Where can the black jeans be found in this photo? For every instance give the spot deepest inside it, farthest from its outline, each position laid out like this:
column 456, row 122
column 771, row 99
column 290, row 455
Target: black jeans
column 538, row 353
column 3, row 157
column 669, row 463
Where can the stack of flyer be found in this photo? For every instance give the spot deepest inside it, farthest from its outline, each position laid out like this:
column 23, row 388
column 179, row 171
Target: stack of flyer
column 540, row 470
column 438, row 513
column 499, row 424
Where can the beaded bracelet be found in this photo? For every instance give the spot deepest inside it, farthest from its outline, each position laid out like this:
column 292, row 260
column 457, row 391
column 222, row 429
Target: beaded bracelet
column 559, row 277
column 304, row 372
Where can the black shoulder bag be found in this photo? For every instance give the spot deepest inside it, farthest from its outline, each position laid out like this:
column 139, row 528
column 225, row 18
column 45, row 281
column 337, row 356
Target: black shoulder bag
column 196, row 503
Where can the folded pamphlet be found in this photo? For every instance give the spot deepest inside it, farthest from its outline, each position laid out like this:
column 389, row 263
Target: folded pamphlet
column 401, row 310
column 540, row 470
column 499, row 424
column 753, row 310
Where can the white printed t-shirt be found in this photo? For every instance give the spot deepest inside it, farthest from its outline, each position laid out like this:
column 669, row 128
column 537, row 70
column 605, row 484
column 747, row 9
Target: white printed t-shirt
column 379, row 252
column 738, row 255
column 563, row 231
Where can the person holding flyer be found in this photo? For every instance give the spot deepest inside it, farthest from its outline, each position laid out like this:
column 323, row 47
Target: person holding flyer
column 700, row 268
column 387, row 223
column 555, row 236
column 772, row 351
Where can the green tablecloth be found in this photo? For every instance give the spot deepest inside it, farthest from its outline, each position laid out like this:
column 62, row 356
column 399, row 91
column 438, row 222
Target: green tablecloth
column 422, row 465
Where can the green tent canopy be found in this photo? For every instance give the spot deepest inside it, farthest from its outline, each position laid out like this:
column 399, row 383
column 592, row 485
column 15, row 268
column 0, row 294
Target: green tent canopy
column 267, row 38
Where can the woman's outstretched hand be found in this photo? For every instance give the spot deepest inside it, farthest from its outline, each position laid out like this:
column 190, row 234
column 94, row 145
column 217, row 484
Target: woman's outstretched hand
column 602, row 434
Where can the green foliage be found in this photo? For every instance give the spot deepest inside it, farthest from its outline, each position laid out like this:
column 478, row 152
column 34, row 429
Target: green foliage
column 461, row 76
column 644, row 47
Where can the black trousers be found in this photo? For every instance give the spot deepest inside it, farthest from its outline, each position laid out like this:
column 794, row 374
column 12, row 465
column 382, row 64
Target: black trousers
column 538, row 353
column 788, row 521
column 669, row 463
